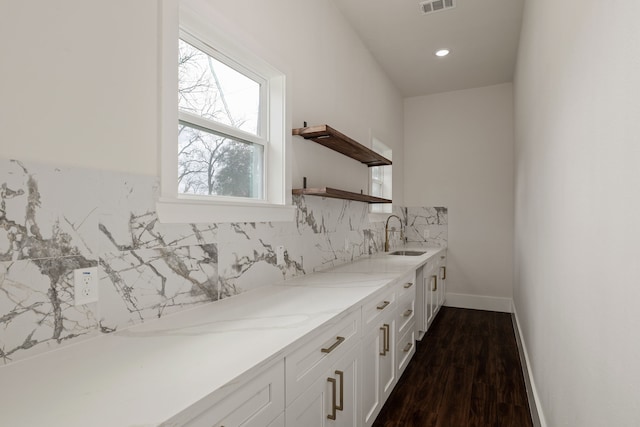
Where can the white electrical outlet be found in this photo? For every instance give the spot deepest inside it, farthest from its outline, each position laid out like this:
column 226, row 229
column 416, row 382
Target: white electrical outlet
column 426, row 233
column 280, row 255
column 85, row 284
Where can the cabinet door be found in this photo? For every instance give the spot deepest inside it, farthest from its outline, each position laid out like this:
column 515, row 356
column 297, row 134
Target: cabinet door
column 311, row 360
column 421, row 325
column 442, row 280
column 388, row 359
column 426, row 300
column 332, row 400
column 431, row 289
column 378, row 369
column 253, row 404
column 405, row 349
column 371, row 398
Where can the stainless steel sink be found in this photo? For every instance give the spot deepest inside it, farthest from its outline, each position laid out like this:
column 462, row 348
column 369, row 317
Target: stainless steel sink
column 408, row 253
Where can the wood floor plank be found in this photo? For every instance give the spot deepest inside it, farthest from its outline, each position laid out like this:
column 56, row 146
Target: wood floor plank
column 483, row 407
column 456, row 399
column 466, row 372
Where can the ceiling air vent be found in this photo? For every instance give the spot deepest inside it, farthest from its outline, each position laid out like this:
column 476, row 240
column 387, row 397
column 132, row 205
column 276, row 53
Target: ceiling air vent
column 432, row 6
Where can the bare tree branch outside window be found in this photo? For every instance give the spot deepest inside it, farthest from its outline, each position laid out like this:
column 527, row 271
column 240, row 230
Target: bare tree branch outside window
column 210, row 163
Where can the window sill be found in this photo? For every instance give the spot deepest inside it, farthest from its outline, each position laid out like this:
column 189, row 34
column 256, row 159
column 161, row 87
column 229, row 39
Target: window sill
column 172, row 211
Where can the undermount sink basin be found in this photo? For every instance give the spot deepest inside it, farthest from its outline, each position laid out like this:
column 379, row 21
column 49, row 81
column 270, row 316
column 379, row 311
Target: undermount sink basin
column 408, row 253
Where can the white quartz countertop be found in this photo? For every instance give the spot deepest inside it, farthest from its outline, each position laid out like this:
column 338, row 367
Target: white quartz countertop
column 144, row 375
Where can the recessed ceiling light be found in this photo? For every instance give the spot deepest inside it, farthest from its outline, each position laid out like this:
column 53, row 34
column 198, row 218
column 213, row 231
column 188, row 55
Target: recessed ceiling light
column 442, row 52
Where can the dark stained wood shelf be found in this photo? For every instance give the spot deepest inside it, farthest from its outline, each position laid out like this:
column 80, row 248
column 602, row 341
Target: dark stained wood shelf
column 339, row 194
column 331, row 138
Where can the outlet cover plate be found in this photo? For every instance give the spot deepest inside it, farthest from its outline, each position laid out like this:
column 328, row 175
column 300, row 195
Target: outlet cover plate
column 85, row 284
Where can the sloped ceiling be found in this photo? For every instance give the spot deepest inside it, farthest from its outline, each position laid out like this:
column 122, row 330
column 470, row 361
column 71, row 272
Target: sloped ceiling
column 481, row 34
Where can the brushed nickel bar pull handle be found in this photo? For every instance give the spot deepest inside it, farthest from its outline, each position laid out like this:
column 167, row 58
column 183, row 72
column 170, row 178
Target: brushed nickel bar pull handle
column 387, row 338
column 407, row 313
column 408, row 285
column 332, row 415
column 407, row 347
column 384, row 341
column 383, row 305
column 339, row 341
column 443, row 273
column 434, row 283
column 340, row 407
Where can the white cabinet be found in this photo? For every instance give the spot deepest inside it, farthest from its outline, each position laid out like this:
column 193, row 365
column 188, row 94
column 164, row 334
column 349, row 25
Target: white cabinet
column 431, row 279
column 317, row 354
column 424, row 297
column 258, row 402
column 386, row 318
column 332, row 400
column 431, row 282
column 405, row 349
column 378, row 355
column 405, row 321
column 342, row 373
column 442, row 278
column 406, row 312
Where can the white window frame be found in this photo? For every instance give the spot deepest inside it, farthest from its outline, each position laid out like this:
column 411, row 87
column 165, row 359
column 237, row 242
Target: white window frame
column 200, row 22
column 387, row 171
column 379, row 181
column 218, row 128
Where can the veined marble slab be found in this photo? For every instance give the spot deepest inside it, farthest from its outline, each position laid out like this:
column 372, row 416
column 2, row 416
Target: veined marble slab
column 56, row 219
column 146, row 374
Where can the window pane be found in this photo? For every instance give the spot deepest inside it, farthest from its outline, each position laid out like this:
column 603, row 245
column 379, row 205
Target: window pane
column 376, row 172
column 376, row 189
column 209, row 164
column 215, row 91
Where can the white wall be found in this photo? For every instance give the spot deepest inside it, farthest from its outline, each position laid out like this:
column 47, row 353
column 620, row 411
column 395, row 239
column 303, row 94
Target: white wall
column 336, row 81
column 459, row 154
column 79, row 83
column 577, row 240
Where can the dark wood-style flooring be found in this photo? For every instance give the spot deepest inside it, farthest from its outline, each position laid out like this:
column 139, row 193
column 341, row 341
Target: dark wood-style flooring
column 466, row 372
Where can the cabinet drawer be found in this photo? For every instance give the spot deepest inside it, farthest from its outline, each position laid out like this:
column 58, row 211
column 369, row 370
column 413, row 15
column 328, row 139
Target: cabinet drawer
column 406, row 286
column 307, row 363
column 406, row 313
column 378, row 308
column 333, row 399
column 406, row 348
column 255, row 403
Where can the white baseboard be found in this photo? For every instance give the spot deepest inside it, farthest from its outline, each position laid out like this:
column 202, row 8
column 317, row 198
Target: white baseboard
column 478, row 302
column 532, row 393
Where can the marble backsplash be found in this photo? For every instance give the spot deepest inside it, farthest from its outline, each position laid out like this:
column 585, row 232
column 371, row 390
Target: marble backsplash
column 426, row 226
column 54, row 220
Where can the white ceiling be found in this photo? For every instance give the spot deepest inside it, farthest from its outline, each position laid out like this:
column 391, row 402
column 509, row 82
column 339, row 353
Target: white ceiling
column 481, row 34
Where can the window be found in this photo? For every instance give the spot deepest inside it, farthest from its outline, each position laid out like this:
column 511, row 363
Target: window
column 221, row 134
column 224, row 145
column 377, row 181
column 380, row 178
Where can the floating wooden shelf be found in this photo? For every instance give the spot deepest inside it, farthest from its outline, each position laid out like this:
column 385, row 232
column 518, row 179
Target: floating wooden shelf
column 339, row 194
column 331, row 138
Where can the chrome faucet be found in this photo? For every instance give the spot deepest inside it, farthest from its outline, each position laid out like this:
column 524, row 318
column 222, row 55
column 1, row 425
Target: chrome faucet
column 386, row 232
